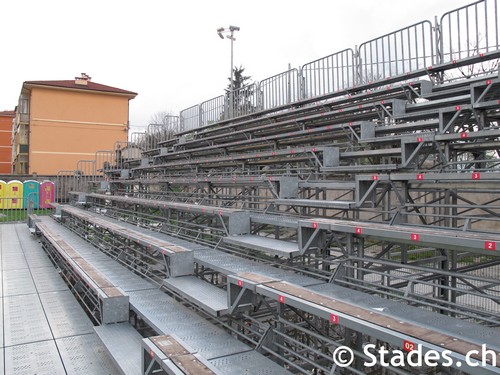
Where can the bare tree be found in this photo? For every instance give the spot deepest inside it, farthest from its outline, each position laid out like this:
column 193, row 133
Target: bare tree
column 474, row 70
column 162, row 127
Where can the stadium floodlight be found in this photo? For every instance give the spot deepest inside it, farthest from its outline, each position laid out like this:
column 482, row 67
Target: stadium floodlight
column 231, row 37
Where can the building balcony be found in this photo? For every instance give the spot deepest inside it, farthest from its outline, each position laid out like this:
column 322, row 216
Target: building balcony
column 22, row 118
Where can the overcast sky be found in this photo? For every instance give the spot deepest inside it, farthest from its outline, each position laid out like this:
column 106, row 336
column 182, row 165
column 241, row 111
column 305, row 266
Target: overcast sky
column 169, row 52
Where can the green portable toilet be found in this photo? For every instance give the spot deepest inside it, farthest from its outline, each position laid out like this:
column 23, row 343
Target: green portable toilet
column 31, row 193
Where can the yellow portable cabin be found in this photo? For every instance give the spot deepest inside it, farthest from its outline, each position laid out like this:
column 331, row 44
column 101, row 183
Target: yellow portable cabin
column 3, row 189
column 14, row 195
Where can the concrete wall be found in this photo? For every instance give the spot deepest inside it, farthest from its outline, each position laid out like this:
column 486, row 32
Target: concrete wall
column 67, row 126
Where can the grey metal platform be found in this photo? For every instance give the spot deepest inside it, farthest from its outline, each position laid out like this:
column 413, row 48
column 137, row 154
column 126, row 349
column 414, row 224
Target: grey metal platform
column 123, row 344
column 220, row 261
column 39, row 326
column 282, row 221
column 204, row 295
column 116, row 273
column 24, row 320
column 265, row 244
column 33, row 358
column 18, row 282
column 167, row 316
column 85, row 354
column 65, row 316
column 228, row 264
column 247, row 363
column 47, row 280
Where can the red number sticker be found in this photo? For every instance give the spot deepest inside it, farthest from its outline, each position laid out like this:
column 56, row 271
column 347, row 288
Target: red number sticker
column 281, row 299
column 334, row 319
column 420, row 176
column 415, row 237
column 151, row 353
column 240, row 283
column 490, row 245
column 420, row 139
column 409, row 346
column 476, row 175
column 463, row 135
column 314, row 225
column 359, row 230
column 374, row 177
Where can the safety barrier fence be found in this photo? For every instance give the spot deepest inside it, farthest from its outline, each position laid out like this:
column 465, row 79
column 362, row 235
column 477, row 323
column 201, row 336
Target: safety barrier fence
column 18, row 209
column 472, row 30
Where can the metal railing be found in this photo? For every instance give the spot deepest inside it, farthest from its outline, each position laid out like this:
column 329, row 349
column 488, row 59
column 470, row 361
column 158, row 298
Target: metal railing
column 395, row 54
column 328, row 74
column 462, row 33
column 214, row 110
column 468, row 31
column 279, row 90
column 18, row 209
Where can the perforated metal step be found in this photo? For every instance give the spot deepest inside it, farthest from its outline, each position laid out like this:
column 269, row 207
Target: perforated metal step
column 85, row 354
column 265, row 244
column 166, row 316
column 228, row 264
column 204, row 295
column 248, row 363
column 282, row 221
column 34, row 358
column 123, row 344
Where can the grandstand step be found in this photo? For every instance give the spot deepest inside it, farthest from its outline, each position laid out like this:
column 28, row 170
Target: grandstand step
column 111, row 304
column 281, row 221
column 180, row 259
column 123, row 344
column 316, row 203
column 265, row 244
column 445, row 238
column 395, row 321
column 228, row 264
column 361, row 168
column 170, row 354
column 439, row 103
column 206, row 296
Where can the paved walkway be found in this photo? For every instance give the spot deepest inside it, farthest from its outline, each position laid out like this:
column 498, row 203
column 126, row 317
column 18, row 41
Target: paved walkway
column 44, row 330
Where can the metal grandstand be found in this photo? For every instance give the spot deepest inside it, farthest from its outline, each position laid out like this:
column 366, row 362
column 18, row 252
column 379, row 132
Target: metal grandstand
column 351, row 202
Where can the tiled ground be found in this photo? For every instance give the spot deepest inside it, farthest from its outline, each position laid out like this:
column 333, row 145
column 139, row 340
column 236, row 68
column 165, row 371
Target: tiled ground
column 44, row 330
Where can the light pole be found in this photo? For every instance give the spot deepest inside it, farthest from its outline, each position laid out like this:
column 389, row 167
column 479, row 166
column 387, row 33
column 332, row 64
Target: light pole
column 231, row 37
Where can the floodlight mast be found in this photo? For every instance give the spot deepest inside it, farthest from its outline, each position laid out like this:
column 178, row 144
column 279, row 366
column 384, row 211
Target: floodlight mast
column 231, row 37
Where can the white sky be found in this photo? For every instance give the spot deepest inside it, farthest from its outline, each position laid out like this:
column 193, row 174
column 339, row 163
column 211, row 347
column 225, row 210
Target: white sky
column 168, row 51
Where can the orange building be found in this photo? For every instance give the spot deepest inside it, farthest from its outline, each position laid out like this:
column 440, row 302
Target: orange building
column 6, row 118
column 59, row 123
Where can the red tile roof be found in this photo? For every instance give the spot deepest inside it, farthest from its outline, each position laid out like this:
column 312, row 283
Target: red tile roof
column 91, row 86
column 8, row 113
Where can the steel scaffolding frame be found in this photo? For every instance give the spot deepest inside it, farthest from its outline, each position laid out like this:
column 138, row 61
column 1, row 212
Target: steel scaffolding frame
column 377, row 188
